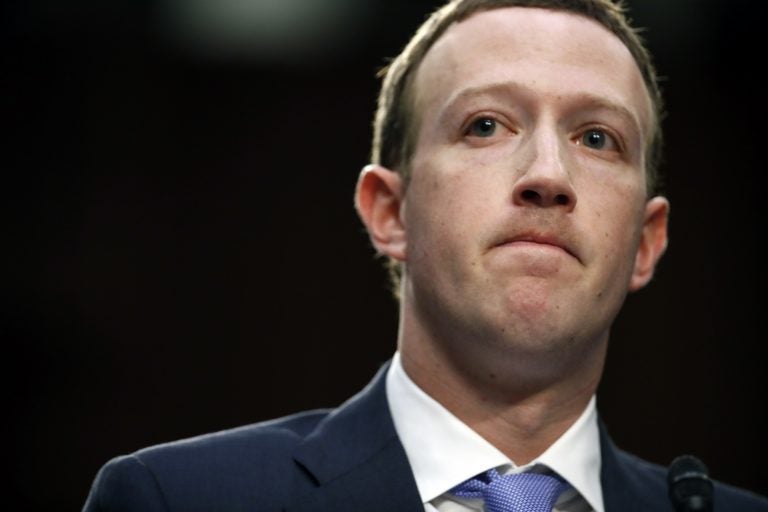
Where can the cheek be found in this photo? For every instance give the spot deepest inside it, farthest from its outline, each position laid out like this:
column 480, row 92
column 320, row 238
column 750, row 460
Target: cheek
column 617, row 227
column 428, row 217
column 611, row 204
column 451, row 193
column 445, row 212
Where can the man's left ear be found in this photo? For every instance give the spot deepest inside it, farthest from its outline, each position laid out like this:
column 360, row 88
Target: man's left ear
column 653, row 242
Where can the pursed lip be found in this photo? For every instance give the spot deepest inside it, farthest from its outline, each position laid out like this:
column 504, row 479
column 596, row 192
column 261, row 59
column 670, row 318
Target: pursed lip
column 542, row 239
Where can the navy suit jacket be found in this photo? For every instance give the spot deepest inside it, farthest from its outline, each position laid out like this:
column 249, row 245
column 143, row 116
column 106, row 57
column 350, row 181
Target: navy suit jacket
column 346, row 459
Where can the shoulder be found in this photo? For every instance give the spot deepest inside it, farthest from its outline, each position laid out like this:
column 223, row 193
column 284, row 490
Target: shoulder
column 653, row 479
column 272, row 438
column 208, row 470
column 264, row 466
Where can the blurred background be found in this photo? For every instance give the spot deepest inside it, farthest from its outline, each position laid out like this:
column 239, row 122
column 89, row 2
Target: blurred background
column 183, row 255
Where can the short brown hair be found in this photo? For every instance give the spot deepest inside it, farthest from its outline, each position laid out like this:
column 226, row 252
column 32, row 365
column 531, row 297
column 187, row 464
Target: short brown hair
column 394, row 127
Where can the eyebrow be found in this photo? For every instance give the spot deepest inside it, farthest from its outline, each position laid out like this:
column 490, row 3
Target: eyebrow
column 584, row 100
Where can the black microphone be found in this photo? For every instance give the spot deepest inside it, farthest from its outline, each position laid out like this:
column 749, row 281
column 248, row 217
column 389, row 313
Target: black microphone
column 690, row 488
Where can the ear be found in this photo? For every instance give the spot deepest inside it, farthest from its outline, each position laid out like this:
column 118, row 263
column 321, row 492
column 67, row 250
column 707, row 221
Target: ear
column 653, row 242
column 378, row 199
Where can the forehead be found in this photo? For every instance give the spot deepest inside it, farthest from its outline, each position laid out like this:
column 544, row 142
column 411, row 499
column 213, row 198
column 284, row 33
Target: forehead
column 557, row 54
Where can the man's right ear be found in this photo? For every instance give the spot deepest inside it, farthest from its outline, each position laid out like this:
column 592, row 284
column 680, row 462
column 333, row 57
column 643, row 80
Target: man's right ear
column 379, row 200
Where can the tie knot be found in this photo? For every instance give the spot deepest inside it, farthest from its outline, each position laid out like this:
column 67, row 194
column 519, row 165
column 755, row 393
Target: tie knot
column 521, row 492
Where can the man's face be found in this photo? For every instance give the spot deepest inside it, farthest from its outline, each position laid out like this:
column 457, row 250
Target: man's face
column 526, row 205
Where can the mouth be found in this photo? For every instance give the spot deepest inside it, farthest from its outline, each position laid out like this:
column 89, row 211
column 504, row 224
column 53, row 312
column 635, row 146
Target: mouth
column 539, row 239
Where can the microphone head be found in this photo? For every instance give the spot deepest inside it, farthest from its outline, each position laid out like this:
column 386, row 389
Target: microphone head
column 690, row 488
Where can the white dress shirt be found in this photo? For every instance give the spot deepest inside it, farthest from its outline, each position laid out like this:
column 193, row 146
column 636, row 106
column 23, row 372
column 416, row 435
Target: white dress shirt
column 443, row 451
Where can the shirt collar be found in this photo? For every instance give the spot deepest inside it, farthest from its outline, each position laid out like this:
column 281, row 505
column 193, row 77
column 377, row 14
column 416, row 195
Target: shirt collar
column 434, row 440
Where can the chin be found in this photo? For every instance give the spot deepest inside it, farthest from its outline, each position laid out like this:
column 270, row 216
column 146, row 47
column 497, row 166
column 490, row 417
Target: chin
column 530, row 306
column 534, row 339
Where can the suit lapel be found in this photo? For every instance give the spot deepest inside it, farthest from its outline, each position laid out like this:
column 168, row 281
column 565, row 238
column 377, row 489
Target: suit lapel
column 357, row 460
column 630, row 484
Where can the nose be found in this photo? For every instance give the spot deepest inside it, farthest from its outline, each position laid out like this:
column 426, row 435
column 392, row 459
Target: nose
column 544, row 180
column 545, row 194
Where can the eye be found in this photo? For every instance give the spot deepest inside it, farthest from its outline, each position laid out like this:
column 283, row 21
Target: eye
column 482, row 127
column 596, row 138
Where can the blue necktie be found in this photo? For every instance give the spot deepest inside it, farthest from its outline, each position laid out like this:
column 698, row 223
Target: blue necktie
column 521, row 492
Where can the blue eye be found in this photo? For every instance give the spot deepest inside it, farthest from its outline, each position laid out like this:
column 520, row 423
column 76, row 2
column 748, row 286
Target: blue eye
column 595, row 139
column 483, row 127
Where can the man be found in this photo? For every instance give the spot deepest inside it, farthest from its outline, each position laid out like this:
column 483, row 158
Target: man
column 514, row 157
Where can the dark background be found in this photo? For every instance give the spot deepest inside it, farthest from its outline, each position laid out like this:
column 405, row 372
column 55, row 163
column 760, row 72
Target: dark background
column 183, row 255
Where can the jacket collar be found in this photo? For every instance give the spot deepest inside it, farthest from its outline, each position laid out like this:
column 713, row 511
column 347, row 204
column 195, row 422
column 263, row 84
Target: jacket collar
column 357, row 460
column 358, row 463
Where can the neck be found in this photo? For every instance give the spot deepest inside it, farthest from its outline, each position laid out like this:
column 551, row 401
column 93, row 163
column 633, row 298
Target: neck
column 519, row 407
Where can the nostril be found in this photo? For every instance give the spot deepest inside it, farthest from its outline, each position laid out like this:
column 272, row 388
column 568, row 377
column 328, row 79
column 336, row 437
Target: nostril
column 544, row 198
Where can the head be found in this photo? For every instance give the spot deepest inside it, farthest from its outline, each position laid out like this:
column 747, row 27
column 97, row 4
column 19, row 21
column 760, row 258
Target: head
column 513, row 159
column 396, row 122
